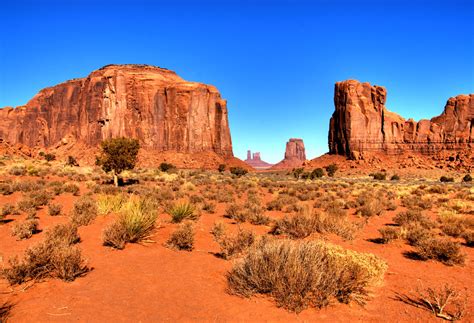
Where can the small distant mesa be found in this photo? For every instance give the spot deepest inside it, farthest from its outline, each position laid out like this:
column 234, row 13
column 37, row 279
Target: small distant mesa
column 295, row 155
column 256, row 162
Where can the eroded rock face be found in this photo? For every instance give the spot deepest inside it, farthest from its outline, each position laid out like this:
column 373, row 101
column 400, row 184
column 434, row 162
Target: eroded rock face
column 155, row 105
column 361, row 124
column 295, row 155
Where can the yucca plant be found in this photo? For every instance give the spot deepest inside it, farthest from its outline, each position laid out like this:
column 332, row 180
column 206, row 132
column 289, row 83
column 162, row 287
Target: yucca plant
column 181, row 211
column 134, row 224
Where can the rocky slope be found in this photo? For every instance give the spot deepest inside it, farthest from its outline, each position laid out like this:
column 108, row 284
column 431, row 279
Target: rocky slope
column 362, row 125
column 295, row 155
column 155, row 105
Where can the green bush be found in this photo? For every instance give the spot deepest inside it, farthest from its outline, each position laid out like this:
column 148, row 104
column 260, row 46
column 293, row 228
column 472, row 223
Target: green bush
column 221, row 168
column 379, row 176
column 467, row 178
column 165, row 167
column 331, row 169
column 317, row 173
column 445, row 179
column 238, row 171
column 49, row 157
column 395, row 177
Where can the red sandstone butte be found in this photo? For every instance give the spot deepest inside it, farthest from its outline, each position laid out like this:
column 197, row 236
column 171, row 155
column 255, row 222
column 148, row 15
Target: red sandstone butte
column 152, row 104
column 362, row 124
column 295, row 155
column 256, row 161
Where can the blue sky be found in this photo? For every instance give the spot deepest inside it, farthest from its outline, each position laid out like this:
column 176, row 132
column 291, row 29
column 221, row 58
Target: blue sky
column 275, row 62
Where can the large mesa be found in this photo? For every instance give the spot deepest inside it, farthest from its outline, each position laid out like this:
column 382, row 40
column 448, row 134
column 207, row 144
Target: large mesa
column 152, row 104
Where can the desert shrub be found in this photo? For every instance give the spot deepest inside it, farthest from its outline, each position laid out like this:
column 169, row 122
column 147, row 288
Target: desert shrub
column 236, row 212
column 39, row 198
column 232, row 245
column 317, row 173
column 6, row 189
column 18, row 170
column 221, row 168
column 209, row 207
column 446, row 179
column 54, row 209
column 134, row 224
column 182, row 211
column 410, row 216
column 165, row 167
column 49, row 157
column 416, row 202
column 84, row 211
column 379, row 176
column 238, row 171
column 64, row 233
column 443, row 250
column 306, row 222
column 415, row 233
column 107, row 204
column 445, row 302
column 71, row 188
column 7, row 209
column 395, row 177
column 307, row 273
column 331, row 170
column 388, row 234
column 71, row 161
column 182, row 238
column 468, row 237
column 371, row 206
column 55, row 257
column 467, row 178
column 25, row 229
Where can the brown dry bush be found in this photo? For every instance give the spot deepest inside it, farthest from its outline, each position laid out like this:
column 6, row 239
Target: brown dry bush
column 54, row 257
column 468, row 237
column 388, row 234
column 307, row 273
column 182, row 238
column 25, row 229
column 441, row 249
column 445, row 302
column 306, row 222
column 411, row 216
column 84, row 211
column 415, row 233
column 232, row 245
column 54, row 209
column 370, row 205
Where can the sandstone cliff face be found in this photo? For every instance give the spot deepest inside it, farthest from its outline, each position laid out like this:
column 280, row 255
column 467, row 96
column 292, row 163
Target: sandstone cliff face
column 295, row 155
column 362, row 124
column 152, row 104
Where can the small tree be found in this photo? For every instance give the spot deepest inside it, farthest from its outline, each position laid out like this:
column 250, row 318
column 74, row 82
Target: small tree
column 165, row 167
column 118, row 154
column 71, row 161
column 238, row 171
column 467, row 178
column 317, row 173
column 221, row 168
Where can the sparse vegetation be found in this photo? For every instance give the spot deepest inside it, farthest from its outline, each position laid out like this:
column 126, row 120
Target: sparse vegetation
column 232, row 245
column 84, row 211
column 183, row 237
column 25, row 229
column 238, row 171
column 182, row 211
column 446, row 179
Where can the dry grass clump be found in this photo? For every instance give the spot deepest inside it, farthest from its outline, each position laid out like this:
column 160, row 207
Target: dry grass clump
column 306, row 273
column 84, row 211
column 55, row 257
column 415, row 233
column 455, row 225
column 370, row 205
column 182, row 211
column 468, row 237
column 135, row 223
column 54, row 209
column 445, row 302
column 25, row 229
column 306, row 222
column 107, row 204
column 441, row 249
column 388, row 234
column 209, row 207
column 411, row 216
column 232, row 245
column 182, row 238
column 7, row 209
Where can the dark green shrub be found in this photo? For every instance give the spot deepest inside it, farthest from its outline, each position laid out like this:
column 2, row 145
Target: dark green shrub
column 317, row 173
column 467, row 178
column 71, row 161
column 331, row 169
column 379, row 176
column 221, row 168
column 49, row 157
column 165, row 167
column 395, row 177
column 445, row 179
column 238, row 171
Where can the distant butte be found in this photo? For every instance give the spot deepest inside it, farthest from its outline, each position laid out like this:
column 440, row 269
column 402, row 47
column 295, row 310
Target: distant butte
column 256, row 162
column 295, row 155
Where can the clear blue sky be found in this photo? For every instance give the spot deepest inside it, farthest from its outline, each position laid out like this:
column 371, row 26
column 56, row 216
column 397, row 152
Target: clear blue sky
column 275, row 62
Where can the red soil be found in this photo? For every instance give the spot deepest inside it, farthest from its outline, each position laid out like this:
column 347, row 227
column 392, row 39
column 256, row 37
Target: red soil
column 153, row 283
